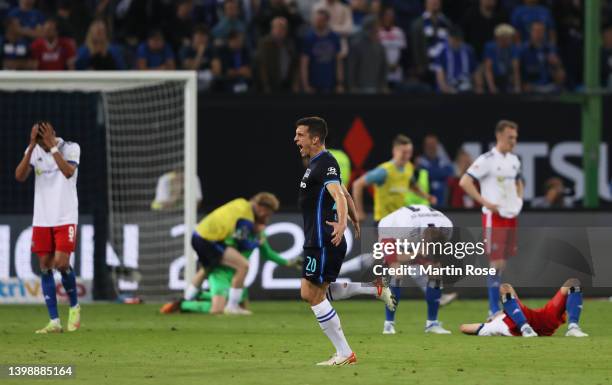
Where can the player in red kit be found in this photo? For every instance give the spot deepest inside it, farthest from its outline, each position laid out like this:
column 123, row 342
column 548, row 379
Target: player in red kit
column 501, row 195
column 55, row 164
column 517, row 319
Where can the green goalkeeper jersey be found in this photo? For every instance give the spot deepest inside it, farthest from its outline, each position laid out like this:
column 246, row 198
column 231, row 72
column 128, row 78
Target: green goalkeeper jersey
column 265, row 251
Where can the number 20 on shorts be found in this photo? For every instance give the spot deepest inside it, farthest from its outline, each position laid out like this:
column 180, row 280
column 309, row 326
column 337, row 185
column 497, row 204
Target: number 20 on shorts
column 311, row 264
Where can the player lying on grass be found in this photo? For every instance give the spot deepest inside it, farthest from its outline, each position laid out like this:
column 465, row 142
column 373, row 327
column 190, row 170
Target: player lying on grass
column 235, row 219
column 416, row 223
column 220, row 280
column 517, row 319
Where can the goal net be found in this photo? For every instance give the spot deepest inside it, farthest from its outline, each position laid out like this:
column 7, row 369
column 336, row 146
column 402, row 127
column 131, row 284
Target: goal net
column 149, row 168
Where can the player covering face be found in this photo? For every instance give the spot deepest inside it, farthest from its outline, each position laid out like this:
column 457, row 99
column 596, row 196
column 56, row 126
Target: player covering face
column 55, row 164
column 516, row 319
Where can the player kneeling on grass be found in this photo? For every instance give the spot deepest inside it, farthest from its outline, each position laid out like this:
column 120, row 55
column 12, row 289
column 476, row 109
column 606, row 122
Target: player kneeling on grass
column 234, row 219
column 55, row 163
column 220, row 281
column 416, row 223
column 517, row 319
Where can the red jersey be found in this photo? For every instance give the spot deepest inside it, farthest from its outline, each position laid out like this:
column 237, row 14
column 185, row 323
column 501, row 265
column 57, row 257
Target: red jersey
column 53, row 56
column 544, row 321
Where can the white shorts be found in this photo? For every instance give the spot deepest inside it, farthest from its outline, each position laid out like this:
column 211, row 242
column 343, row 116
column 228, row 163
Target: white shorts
column 497, row 327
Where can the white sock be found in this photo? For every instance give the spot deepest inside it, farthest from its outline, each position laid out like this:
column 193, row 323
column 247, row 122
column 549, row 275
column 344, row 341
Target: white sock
column 330, row 323
column 56, row 321
column 572, row 325
column 191, row 292
column 234, row 297
column 343, row 290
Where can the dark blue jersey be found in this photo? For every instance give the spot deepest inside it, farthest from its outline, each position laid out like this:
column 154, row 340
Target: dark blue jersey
column 316, row 203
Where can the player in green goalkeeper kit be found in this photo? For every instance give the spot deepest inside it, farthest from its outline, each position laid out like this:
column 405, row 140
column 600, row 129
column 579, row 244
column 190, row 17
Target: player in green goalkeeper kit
column 220, row 281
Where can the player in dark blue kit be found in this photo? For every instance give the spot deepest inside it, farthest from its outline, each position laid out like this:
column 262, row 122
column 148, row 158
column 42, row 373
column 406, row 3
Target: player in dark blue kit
column 324, row 206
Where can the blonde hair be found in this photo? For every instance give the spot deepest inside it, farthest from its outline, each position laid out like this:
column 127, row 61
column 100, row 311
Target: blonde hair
column 504, row 30
column 89, row 40
column 266, row 199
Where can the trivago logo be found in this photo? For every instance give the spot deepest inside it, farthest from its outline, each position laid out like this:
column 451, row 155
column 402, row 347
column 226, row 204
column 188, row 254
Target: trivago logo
column 16, row 290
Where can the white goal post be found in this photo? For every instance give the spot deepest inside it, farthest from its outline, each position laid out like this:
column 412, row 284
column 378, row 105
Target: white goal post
column 112, row 81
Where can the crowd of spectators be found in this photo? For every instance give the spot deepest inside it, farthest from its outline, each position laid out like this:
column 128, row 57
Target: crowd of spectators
column 314, row 46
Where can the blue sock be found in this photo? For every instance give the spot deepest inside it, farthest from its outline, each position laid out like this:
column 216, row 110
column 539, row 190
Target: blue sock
column 69, row 282
column 513, row 310
column 433, row 292
column 573, row 305
column 493, row 282
column 390, row 315
column 48, row 289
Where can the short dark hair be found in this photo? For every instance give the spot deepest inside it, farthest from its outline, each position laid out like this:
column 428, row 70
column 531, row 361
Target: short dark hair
column 155, row 32
column 502, row 124
column 52, row 20
column 401, row 140
column 201, row 29
column 324, row 12
column 233, row 34
column 316, row 126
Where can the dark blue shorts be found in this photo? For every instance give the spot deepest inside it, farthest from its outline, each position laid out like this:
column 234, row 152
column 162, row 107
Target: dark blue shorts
column 209, row 253
column 323, row 264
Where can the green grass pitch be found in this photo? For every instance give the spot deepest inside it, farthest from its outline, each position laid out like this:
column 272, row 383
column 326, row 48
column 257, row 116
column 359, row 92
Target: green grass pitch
column 279, row 344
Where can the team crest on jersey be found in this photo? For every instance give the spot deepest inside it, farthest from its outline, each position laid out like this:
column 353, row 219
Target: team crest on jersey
column 332, row 171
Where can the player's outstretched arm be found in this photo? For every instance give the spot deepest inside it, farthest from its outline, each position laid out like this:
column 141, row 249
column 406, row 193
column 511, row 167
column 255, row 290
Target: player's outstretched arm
column 335, row 190
column 470, row 329
column 48, row 137
column 22, row 172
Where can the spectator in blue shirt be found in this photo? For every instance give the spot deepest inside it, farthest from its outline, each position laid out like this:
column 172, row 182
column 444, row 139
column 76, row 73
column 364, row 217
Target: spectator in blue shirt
column 501, row 61
column 205, row 12
column 232, row 65
column 228, row 23
column 155, row 53
column 456, row 65
column 14, row 50
column 429, row 35
column 321, row 69
column 30, row 19
column 98, row 53
column 524, row 15
column 541, row 68
column 606, row 58
column 439, row 167
column 198, row 56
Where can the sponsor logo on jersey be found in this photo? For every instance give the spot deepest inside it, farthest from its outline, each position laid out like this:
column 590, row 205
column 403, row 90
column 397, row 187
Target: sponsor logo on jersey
column 332, row 171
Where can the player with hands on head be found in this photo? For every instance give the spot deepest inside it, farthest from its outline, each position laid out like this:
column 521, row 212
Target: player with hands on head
column 55, row 163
